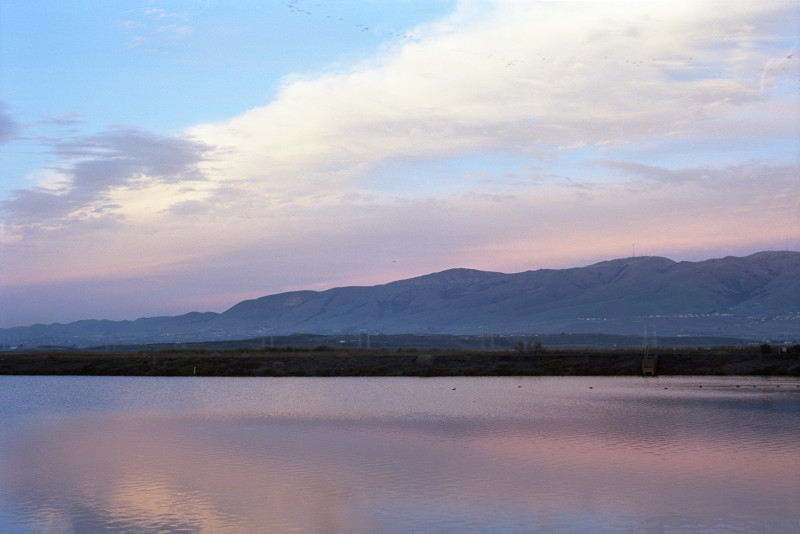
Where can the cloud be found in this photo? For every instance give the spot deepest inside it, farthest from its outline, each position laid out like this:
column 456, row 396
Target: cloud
column 770, row 178
column 70, row 119
column 150, row 28
column 8, row 126
column 174, row 30
column 496, row 78
column 506, row 136
column 521, row 77
column 119, row 158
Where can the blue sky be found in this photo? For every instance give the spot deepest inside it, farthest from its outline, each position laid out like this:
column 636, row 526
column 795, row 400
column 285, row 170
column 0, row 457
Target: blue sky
column 163, row 157
column 95, row 64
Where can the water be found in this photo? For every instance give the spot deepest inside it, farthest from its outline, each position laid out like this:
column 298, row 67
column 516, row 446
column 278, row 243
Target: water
column 94, row 454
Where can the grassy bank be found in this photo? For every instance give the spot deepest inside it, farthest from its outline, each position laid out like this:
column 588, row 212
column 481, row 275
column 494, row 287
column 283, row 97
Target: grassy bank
column 325, row 361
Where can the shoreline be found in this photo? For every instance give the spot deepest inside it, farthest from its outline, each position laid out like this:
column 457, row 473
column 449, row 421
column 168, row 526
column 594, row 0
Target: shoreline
column 365, row 362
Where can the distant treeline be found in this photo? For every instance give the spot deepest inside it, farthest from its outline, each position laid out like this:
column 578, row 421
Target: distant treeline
column 325, row 360
column 486, row 342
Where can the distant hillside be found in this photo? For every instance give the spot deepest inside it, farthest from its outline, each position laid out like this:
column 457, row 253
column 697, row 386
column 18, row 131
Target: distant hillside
column 757, row 296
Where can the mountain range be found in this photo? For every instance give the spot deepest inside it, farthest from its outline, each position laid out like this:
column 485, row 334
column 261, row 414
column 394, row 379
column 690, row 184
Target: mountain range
column 755, row 297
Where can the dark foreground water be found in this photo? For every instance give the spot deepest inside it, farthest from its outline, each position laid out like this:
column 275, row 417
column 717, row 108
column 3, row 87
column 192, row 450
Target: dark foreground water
column 94, row 454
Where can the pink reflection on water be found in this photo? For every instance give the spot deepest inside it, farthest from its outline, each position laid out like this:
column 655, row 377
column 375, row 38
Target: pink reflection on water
column 580, row 469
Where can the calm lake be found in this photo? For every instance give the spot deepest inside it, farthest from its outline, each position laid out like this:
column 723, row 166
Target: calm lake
column 702, row 454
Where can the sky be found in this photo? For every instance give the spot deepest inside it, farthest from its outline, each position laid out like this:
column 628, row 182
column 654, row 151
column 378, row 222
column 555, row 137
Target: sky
column 162, row 157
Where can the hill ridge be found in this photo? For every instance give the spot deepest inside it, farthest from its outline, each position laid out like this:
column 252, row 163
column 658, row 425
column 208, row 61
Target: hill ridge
column 751, row 296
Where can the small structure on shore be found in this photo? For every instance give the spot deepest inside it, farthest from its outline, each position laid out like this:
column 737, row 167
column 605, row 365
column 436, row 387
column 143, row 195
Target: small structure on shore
column 649, row 361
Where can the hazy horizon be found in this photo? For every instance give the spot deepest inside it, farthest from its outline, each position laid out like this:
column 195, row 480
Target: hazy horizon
column 176, row 156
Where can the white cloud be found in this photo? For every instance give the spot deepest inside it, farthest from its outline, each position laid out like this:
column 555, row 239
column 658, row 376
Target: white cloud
column 522, row 75
column 95, row 168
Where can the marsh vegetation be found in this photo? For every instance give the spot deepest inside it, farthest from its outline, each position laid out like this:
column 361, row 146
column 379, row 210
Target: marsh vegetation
column 325, row 360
